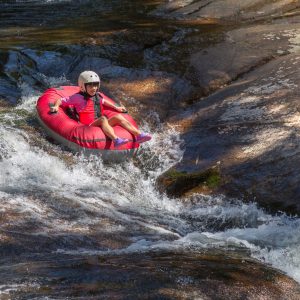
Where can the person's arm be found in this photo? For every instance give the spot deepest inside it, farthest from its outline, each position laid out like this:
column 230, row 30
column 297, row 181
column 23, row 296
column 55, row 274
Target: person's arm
column 119, row 108
column 54, row 108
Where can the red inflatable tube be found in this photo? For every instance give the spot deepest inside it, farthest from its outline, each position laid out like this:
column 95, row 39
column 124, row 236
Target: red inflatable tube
column 79, row 137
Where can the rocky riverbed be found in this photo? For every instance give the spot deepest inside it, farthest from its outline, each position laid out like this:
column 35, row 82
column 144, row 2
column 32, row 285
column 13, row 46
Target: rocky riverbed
column 225, row 75
column 246, row 120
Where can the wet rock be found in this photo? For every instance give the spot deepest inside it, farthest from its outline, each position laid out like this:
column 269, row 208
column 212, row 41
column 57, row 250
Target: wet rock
column 153, row 91
column 22, row 67
column 220, row 64
column 139, row 89
column 163, row 275
column 225, row 10
column 8, row 92
column 250, row 129
column 128, row 47
column 178, row 183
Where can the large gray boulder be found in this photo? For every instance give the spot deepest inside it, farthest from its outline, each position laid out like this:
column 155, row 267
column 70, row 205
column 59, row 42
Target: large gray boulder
column 249, row 131
column 230, row 10
column 241, row 136
column 241, row 51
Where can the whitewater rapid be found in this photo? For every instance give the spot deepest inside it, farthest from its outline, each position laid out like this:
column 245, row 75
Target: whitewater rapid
column 64, row 195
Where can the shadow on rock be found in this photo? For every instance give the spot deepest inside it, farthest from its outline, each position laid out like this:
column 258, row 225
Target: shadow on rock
column 150, row 276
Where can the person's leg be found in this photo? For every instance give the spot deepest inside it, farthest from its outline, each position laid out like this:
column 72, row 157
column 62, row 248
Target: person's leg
column 107, row 129
column 120, row 120
column 141, row 137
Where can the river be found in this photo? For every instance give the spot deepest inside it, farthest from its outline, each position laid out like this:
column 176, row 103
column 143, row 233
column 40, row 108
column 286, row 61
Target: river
column 62, row 213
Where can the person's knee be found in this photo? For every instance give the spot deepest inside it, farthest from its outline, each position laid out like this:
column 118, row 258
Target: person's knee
column 102, row 120
column 122, row 120
column 115, row 119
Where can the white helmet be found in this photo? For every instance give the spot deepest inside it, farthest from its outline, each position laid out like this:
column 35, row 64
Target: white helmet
column 87, row 77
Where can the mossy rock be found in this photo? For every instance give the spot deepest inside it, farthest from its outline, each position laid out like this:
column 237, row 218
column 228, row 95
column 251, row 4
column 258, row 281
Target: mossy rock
column 178, row 183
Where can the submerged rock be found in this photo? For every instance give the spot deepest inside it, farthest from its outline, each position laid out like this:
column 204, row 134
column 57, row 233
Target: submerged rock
column 162, row 275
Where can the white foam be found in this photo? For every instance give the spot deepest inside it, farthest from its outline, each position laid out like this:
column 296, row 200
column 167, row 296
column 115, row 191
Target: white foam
column 276, row 242
column 6, row 289
column 31, row 172
column 68, row 198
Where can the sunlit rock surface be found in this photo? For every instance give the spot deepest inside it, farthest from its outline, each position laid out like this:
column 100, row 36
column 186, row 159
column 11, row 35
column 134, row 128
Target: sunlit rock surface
column 250, row 130
column 230, row 10
column 247, row 118
column 150, row 276
column 242, row 51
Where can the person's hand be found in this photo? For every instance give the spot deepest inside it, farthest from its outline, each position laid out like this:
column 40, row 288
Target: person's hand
column 53, row 109
column 121, row 108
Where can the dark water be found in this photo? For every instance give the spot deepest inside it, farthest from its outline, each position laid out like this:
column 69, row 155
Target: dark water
column 37, row 23
column 74, row 228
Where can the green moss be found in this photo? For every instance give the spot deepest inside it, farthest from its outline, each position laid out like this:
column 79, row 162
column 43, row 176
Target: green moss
column 174, row 174
column 213, row 180
column 177, row 183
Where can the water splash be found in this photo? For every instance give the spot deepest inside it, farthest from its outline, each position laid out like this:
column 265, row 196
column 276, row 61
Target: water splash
column 73, row 205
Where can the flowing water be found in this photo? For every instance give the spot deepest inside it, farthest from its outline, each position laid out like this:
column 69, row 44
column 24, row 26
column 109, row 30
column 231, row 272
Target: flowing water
column 59, row 210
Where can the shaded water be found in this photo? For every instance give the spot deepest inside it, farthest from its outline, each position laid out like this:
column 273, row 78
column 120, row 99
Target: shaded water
column 70, row 223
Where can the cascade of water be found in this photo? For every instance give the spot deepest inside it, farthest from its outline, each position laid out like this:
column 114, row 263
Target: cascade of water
column 51, row 199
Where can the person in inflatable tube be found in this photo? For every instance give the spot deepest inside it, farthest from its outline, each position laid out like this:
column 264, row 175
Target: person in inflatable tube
column 89, row 106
